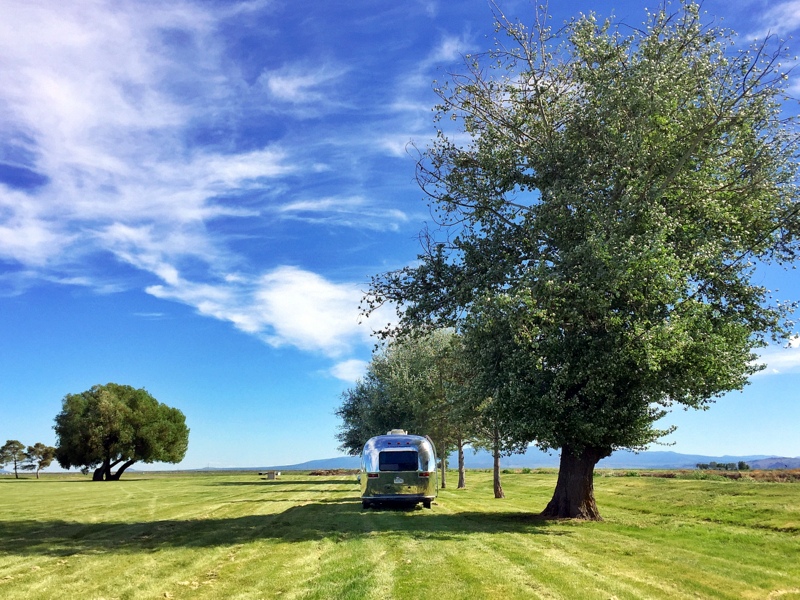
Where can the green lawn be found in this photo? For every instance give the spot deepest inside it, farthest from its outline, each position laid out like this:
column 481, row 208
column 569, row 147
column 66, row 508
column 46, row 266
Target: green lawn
column 234, row 535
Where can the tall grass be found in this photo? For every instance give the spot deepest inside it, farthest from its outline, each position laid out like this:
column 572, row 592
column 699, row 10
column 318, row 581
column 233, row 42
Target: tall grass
column 234, row 535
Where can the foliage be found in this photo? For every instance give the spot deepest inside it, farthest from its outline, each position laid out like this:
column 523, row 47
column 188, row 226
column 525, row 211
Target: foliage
column 605, row 219
column 230, row 535
column 715, row 466
column 112, row 424
column 413, row 384
column 427, row 383
column 486, row 340
column 12, row 453
column 38, row 457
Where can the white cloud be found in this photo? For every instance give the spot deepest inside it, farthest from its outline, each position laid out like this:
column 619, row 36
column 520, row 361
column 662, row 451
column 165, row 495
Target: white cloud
column 308, row 311
column 414, row 98
column 352, row 211
column 310, row 90
column 349, row 370
column 431, row 7
column 322, row 205
column 780, row 18
column 450, row 49
column 90, row 104
column 286, row 306
column 781, row 360
column 26, row 235
column 398, row 145
column 101, row 98
column 101, row 101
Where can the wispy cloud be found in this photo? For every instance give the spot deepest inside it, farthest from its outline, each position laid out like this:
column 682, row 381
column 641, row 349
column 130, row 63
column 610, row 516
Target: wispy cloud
column 450, row 49
column 91, row 104
column 779, row 19
column 779, row 360
column 349, row 211
column 311, row 87
column 285, row 306
column 411, row 106
column 103, row 104
column 431, row 7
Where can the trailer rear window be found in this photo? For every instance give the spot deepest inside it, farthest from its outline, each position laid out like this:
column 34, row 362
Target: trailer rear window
column 402, row 460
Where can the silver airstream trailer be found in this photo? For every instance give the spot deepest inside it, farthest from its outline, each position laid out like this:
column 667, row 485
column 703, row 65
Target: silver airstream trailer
column 398, row 468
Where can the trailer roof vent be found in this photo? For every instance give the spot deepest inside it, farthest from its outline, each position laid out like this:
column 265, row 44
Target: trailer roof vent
column 397, row 432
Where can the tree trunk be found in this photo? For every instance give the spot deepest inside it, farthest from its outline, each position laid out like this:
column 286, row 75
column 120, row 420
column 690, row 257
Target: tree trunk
column 444, row 472
column 462, row 479
column 103, row 472
column 100, row 472
column 116, row 476
column 573, row 497
column 498, row 488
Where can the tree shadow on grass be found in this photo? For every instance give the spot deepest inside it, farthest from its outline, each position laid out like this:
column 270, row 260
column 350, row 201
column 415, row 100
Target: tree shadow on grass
column 334, row 520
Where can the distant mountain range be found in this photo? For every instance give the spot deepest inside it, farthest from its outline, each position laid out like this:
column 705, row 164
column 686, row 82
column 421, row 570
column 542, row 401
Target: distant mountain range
column 775, row 462
column 534, row 457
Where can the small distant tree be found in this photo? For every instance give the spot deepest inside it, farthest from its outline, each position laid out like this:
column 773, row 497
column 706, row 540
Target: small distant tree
column 111, row 425
column 38, row 457
column 743, row 466
column 12, row 453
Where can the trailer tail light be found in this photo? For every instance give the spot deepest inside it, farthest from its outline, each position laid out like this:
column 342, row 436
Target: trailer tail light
column 424, row 474
column 372, row 475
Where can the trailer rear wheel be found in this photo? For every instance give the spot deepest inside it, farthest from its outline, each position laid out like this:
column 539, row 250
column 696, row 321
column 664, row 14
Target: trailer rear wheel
column 426, row 503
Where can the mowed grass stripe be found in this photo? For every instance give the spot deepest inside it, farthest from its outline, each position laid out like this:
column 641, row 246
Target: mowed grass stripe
column 234, row 535
column 538, row 563
column 634, row 569
column 755, row 504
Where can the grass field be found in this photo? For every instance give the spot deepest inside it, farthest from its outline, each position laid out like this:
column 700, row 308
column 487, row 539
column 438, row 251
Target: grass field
column 234, row 535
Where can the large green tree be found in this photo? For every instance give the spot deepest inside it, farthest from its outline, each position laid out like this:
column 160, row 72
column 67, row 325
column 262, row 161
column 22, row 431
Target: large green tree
column 116, row 425
column 617, row 192
column 12, row 453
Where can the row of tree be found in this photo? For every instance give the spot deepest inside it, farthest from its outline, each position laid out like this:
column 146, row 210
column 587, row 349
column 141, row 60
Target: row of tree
column 33, row 458
column 427, row 384
column 597, row 235
column 731, row 466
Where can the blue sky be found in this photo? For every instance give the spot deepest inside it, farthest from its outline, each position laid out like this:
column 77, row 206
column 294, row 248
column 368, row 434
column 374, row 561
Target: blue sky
column 193, row 196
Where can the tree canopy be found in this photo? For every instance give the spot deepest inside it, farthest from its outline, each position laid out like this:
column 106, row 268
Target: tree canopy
column 605, row 218
column 410, row 384
column 12, row 453
column 110, row 425
column 38, row 457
